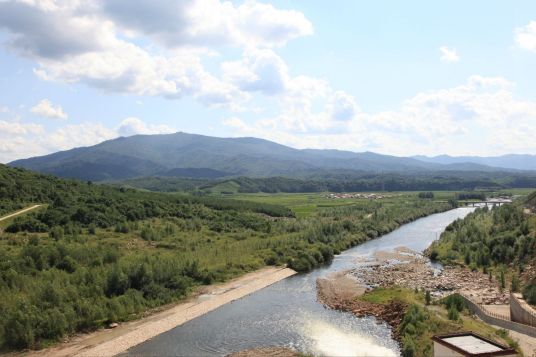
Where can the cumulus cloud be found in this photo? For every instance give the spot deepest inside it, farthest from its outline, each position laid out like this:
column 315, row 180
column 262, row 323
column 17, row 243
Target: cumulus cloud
column 45, row 29
column 133, row 126
column 46, row 109
column 481, row 116
column 259, row 70
column 343, row 106
column 209, row 22
column 525, row 37
column 21, row 140
column 449, row 54
column 98, row 44
column 69, row 136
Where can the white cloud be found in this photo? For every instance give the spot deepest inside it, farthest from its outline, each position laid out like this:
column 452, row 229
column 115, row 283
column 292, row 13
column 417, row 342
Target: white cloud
column 258, row 70
column 46, row 109
column 98, row 43
column 16, row 137
column 481, row 117
column 21, row 140
column 343, row 106
column 525, row 37
column 209, row 22
column 448, row 54
column 133, row 126
column 70, row 136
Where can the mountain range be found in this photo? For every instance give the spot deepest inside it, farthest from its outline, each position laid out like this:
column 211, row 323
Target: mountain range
column 198, row 156
column 511, row 161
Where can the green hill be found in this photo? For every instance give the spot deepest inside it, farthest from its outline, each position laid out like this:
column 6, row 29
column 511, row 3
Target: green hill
column 198, row 156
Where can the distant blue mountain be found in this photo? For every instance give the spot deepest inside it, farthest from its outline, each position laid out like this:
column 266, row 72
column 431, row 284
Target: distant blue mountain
column 199, row 156
column 511, row 161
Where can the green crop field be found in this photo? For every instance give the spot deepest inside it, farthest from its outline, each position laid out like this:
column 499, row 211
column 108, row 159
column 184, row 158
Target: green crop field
column 306, row 204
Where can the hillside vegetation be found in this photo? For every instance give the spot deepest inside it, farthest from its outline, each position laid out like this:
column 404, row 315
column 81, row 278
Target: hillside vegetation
column 96, row 254
column 501, row 241
column 459, row 181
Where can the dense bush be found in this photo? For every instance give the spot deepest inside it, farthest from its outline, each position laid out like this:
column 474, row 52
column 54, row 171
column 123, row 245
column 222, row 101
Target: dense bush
column 486, row 238
column 426, row 195
column 413, row 325
column 455, row 302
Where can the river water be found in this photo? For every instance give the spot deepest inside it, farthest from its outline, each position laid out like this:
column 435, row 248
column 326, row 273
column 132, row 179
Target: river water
column 287, row 313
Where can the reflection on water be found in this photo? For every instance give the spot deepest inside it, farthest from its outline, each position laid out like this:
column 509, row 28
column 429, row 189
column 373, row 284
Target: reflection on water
column 287, row 313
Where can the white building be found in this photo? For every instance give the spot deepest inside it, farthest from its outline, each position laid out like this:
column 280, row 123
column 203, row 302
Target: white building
column 468, row 344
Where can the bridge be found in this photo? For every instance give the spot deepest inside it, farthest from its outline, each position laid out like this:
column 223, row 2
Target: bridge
column 492, row 202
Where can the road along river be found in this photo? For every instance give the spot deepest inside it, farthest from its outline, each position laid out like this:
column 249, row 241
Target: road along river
column 287, row 313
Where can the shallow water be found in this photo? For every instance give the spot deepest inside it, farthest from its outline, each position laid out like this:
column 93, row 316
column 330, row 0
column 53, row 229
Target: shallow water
column 287, row 313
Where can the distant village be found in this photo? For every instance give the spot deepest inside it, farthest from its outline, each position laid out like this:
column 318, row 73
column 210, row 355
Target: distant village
column 370, row 196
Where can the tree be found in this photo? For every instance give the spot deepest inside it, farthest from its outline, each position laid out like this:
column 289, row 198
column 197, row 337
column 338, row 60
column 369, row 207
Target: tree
column 453, row 313
column 428, row 297
column 514, row 286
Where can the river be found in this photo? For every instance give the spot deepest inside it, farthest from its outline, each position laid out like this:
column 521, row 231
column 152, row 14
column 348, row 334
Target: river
column 287, row 313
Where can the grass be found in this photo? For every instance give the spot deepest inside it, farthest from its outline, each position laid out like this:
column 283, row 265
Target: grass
column 433, row 320
column 385, row 295
column 307, row 204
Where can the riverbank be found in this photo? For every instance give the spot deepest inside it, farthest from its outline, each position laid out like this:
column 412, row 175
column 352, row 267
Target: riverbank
column 409, row 269
column 267, row 352
column 340, row 292
column 391, row 285
column 110, row 342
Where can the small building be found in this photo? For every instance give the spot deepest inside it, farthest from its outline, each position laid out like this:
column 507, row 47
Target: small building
column 468, row 344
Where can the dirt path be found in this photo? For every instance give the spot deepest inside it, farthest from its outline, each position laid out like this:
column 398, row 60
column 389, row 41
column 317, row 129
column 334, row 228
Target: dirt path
column 110, row 342
column 19, row 212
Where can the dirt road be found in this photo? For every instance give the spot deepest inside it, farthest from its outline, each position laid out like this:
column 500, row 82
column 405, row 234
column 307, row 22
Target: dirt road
column 19, row 212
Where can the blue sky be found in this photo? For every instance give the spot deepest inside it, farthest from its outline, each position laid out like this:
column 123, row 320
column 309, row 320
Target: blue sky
column 401, row 78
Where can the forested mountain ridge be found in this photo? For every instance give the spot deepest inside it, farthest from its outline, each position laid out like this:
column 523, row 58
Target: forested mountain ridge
column 176, row 154
column 457, row 181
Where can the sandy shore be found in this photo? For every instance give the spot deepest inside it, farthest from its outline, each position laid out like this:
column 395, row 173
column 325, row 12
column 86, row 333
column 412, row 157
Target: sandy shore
column 110, row 342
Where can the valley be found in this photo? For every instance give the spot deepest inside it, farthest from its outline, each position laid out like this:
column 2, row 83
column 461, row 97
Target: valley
column 98, row 255
column 267, row 178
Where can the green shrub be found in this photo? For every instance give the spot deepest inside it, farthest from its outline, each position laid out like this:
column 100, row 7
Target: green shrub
column 453, row 313
column 454, row 301
column 529, row 294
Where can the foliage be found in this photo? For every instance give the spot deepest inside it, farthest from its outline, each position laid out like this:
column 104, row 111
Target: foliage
column 421, row 323
column 426, row 195
column 529, row 294
column 455, row 302
column 341, row 182
column 485, row 238
column 99, row 254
